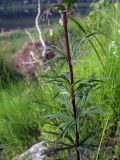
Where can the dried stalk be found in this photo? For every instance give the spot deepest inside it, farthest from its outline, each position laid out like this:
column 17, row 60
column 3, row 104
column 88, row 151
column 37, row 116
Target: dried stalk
column 39, row 30
column 30, row 36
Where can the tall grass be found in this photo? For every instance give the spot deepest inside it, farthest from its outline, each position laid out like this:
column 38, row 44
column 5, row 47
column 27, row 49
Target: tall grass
column 22, row 111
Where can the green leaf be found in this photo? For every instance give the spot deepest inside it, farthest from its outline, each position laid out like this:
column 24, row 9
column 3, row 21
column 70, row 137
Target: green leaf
column 55, row 49
column 60, row 143
column 91, row 147
column 50, row 132
column 65, row 101
column 63, row 129
column 91, row 110
column 77, row 23
column 84, row 31
column 54, row 150
column 81, row 40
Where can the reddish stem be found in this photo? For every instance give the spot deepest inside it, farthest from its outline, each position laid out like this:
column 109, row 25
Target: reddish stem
column 71, row 80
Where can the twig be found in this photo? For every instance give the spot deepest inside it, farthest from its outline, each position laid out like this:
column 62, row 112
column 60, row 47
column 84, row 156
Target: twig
column 39, row 30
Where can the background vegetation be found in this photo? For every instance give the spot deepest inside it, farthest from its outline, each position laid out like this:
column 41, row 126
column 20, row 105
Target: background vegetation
column 24, row 105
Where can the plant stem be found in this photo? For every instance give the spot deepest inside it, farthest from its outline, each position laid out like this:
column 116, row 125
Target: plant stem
column 71, row 80
column 103, row 133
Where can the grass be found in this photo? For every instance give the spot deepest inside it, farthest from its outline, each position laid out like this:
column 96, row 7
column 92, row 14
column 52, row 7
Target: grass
column 22, row 116
column 22, row 109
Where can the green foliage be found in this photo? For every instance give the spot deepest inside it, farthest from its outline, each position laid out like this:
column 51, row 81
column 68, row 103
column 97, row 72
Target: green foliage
column 103, row 15
column 64, row 122
column 72, row 117
column 22, row 117
column 24, row 108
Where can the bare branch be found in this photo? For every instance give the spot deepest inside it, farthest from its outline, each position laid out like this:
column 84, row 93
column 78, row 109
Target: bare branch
column 39, row 30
